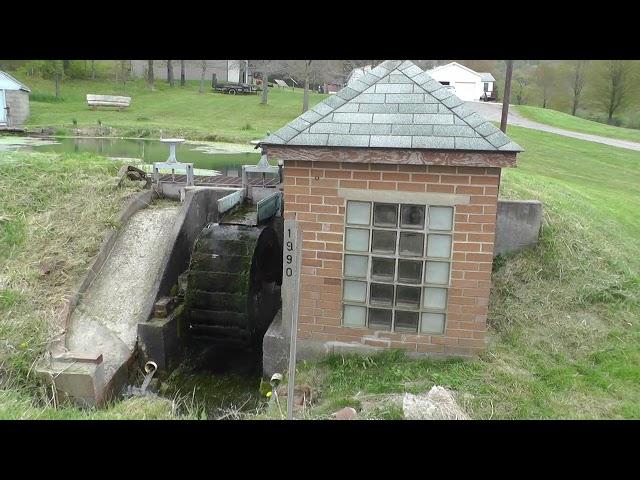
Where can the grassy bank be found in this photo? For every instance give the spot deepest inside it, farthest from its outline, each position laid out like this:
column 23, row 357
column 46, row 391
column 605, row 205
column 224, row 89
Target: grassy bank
column 53, row 217
column 564, row 329
column 177, row 111
column 577, row 124
column 564, row 316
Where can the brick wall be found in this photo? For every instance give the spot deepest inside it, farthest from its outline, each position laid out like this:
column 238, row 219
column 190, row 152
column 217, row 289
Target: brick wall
column 311, row 191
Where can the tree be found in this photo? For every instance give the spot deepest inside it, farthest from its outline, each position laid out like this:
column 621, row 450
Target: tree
column 613, row 85
column 53, row 69
column 545, row 79
column 579, row 74
column 507, row 96
column 300, row 70
column 93, row 69
column 203, row 66
column 150, row 76
column 170, row 72
column 182, row 74
column 264, row 67
column 305, row 95
column 123, row 67
column 521, row 89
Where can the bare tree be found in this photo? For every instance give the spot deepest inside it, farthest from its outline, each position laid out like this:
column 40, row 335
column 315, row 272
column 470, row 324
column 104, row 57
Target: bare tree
column 203, row 66
column 545, row 79
column 521, row 89
column 150, row 76
column 613, row 85
column 53, row 69
column 507, row 96
column 183, row 80
column 264, row 67
column 170, row 72
column 57, row 76
column 577, row 82
column 124, row 72
column 300, row 70
column 305, row 95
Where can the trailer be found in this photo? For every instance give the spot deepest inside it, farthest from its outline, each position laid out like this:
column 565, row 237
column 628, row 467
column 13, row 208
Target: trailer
column 233, row 88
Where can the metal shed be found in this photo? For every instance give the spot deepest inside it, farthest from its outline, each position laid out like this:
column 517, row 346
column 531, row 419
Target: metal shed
column 14, row 102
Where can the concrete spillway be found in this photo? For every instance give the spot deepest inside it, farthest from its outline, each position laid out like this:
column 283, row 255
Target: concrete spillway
column 106, row 318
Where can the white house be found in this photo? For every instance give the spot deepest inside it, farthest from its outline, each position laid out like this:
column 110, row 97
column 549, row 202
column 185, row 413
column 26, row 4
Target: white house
column 469, row 85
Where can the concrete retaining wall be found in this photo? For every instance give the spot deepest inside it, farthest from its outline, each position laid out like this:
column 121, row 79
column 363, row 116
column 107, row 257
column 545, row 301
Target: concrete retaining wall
column 200, row 207
column 158, row 337
column 136, row 203
column 518, row 225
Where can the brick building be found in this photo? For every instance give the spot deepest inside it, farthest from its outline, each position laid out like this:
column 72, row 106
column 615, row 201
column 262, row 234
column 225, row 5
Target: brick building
column 394, row 183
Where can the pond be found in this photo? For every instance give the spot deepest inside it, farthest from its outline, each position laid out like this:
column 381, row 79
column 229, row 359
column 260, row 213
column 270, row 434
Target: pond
column 224, row 157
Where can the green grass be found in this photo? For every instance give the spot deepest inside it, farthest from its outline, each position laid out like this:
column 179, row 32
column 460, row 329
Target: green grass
column 53, row 218
column 577, row 124
column 176, row 111
column 564, row 330
column 564, row 316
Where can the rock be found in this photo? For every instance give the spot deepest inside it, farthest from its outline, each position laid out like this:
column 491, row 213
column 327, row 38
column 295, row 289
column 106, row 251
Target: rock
column 347, row 413
column 301, row 395
column 437, row 404
column 132, row 173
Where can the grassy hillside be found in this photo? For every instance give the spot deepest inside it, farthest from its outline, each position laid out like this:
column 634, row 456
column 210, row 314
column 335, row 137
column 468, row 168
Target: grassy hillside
column 564, row 316
column 177, row 111
column 577, row 124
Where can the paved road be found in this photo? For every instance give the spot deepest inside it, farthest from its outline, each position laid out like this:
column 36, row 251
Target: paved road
column 493, row 111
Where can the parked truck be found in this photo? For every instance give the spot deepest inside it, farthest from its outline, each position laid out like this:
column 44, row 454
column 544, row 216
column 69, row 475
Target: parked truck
column 232, row 88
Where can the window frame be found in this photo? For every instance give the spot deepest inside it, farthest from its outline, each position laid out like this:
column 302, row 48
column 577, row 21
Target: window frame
column 396, row 256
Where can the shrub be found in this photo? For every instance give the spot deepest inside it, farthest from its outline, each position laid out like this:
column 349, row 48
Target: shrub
column 44, row 97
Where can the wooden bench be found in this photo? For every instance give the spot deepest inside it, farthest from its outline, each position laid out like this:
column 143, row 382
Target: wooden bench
column 281, row 83
column 95, row 101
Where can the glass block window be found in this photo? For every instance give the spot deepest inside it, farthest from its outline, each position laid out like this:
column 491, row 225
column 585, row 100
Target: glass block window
column 397, row 265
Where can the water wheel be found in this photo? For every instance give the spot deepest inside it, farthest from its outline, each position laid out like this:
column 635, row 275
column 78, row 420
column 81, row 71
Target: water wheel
column 234, row 279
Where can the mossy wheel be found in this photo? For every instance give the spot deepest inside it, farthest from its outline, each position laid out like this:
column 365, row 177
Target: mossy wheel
column 234, row 280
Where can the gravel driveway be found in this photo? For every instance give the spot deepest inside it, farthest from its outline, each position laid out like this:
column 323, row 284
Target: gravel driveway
column 493, row 112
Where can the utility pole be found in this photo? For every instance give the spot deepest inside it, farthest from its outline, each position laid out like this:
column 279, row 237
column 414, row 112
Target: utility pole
column 507, row 95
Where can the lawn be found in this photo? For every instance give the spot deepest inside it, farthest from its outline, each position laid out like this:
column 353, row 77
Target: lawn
column 178, row 111
column 564, row 316
column 577, row 124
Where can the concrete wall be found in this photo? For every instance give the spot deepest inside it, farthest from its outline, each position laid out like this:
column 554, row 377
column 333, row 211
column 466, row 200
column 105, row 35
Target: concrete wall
column 315, row 192
column 224, row 69
column 518, row 225
column 18, row 103
column 199, row 208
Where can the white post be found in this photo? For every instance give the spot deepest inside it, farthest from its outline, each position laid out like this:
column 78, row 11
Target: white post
column 291, row 285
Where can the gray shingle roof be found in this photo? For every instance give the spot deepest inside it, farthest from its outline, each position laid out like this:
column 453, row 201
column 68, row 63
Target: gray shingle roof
column 487, row 77
column 395, row 105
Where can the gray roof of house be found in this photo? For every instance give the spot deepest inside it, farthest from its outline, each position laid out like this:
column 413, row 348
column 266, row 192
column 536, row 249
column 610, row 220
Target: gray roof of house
column 20, row 85
column 395, row 105
column 487, row 77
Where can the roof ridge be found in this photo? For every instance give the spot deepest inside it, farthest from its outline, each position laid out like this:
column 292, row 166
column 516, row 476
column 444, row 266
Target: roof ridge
column 396, row 105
